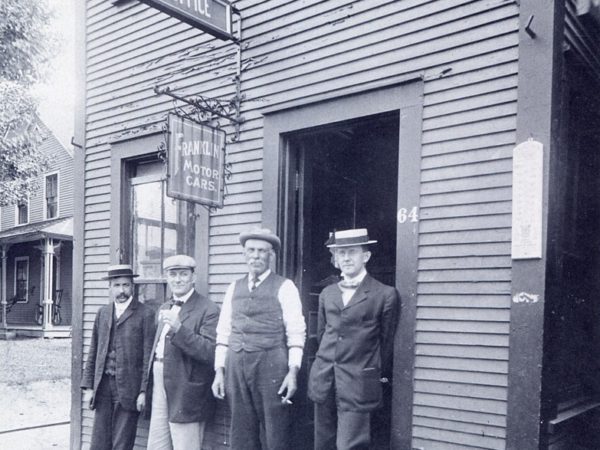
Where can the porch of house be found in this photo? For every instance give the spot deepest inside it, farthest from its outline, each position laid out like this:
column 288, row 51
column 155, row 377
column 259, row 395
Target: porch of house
column 35, row 280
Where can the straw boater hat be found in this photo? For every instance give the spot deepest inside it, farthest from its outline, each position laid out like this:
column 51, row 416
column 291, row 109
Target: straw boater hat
column 119, row 270
column 263, row 234
column 179, row 262
column 349, row 238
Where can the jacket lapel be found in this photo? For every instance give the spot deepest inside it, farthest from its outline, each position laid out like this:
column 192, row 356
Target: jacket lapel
column 361, row 292
column 159, row 329
column 337, row 299
column 188, row 307
column 128, row 312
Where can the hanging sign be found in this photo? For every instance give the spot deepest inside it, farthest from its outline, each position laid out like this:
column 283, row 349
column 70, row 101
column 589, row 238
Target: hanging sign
column 196, row 156
column 212, row 16
column 527, row 200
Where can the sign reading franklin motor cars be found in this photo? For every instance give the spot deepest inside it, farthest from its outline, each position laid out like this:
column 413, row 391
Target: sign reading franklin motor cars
column 212, row 16
column 196, row 162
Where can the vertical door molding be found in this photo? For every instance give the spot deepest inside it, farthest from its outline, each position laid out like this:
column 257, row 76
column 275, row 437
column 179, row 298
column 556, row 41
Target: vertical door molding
column 405, row 96
column 537, row 112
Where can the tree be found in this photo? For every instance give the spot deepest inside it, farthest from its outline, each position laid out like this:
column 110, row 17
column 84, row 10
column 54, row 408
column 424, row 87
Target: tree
column 27, row 45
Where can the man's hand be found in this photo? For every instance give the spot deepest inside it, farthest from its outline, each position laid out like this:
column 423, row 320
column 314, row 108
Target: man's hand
column 218, row 386
column 171, row 318
column 288, row 386
column 140, row 403
column 87, row 397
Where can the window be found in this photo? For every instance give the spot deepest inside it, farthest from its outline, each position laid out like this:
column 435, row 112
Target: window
column 160, row 226
column 22, row 212
column 21, row 286
column 51, row 196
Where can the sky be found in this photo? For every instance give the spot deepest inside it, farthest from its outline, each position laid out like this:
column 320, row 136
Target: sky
column 57, row 96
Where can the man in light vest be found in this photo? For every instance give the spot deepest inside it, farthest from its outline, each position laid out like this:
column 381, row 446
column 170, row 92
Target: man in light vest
column 260, row 340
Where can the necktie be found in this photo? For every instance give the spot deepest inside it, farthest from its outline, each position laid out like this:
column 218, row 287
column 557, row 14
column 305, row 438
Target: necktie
column 254, row 284
column 176, row 302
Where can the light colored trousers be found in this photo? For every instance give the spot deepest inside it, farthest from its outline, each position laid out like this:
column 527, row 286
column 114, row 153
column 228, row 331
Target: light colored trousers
column 165, row 435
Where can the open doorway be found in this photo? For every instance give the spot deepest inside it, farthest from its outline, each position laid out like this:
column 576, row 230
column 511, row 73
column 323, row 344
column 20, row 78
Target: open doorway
column 571, row 387
column 340, row 176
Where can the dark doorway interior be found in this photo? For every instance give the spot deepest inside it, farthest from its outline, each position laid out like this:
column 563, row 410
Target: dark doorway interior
column 571, row 384
column 339, row 176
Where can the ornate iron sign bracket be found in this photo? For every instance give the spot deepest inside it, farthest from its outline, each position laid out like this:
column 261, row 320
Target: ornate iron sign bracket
column 209, row 108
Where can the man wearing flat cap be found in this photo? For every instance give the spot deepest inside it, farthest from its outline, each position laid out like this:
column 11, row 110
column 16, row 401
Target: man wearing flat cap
column 356, row 325
column 260, row 340
column 114, row 377
column 182, row 362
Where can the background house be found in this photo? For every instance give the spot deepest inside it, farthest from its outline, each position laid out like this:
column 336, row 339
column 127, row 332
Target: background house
column 36, row 244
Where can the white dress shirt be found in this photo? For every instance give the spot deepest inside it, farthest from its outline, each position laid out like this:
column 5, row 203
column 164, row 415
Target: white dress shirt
column 293, row 321
column 160, row 345
column 348, row 293
column 121, row 307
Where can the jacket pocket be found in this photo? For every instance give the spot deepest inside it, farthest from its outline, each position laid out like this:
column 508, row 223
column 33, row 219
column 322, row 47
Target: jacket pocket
column 371, row 385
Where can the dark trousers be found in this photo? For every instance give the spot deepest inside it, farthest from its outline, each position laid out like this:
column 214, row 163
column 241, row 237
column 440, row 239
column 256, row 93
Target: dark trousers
column 257, row 414
column 342, row 430
column 114, row 427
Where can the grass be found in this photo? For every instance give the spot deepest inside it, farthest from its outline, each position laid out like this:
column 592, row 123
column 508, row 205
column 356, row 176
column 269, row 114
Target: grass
column 23, row 361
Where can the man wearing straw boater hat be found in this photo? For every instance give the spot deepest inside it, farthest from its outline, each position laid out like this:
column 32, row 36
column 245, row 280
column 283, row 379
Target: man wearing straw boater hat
column 260, row 340
column 356, row 324
column 114, row 376
column 182, row 362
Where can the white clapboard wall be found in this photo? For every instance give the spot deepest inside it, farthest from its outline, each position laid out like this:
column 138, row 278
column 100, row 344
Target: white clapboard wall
column 467, row 51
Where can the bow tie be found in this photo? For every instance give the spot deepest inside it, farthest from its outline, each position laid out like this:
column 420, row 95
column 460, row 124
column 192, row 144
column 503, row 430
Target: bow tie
column 348, row 284
column 176, row 302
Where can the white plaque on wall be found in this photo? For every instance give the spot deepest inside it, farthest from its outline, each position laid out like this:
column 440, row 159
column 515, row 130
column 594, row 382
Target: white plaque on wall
column 527, row 199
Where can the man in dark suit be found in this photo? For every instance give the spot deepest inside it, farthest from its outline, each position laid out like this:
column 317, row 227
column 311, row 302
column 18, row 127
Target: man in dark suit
column 182, row 362
column 114, row 376
column 356, row 325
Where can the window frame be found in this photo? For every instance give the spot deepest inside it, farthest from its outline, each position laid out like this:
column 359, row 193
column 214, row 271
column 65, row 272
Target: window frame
column 45, row 198
column 123, row 152
column 17, row 260
column 17, row 223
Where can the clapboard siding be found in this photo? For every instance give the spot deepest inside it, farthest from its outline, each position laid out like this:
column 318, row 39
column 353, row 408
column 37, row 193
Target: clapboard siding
column 61, row 162
column 467, row 53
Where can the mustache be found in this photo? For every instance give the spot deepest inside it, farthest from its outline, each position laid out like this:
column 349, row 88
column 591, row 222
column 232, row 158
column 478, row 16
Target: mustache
column 122, row 295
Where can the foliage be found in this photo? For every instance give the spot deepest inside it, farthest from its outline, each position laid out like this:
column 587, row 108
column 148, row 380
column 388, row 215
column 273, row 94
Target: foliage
column 26, row 40
column 26, row 46
column 21, row 162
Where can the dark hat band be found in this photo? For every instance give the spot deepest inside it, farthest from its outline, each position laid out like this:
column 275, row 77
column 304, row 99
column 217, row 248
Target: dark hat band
column 358, row 240
column 120, row 273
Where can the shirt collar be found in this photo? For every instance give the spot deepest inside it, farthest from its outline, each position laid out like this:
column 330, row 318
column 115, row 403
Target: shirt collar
column 358, row 278
column 120, row 307
column 184, row 298
column 261, row 277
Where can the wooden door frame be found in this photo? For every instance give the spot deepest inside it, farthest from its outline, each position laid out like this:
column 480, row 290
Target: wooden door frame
column 405, row 96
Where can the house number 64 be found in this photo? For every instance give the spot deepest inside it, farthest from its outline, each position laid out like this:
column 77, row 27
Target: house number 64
column 404, row 214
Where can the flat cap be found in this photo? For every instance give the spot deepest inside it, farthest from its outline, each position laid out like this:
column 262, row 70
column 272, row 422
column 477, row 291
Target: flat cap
column 179, row 262
column 262, row 234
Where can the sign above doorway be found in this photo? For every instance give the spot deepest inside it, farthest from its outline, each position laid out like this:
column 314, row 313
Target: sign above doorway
column 211, row 16
column 196, row 162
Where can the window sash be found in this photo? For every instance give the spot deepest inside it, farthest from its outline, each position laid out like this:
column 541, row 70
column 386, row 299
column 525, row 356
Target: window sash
column 51, row 196
column 23, row 213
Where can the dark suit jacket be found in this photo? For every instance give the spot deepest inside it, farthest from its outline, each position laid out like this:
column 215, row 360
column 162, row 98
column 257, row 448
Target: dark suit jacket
column 189, row 361
column 134, row 334
column 355, row 345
